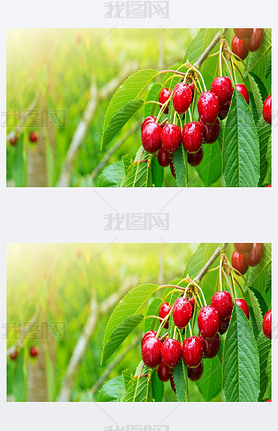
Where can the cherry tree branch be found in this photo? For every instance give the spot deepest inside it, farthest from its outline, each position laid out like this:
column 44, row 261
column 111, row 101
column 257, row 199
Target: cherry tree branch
column 209, row 48
column 211, row 260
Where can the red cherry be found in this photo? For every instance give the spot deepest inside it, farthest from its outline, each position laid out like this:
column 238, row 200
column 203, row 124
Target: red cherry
column 182, row 312
column 192, row 302
column 164, row 96
column 164, row 311
column 268, row 401
column 255, row 255
column 222, row 302
column 243, row 91
column 34, row 351
column 194, row 159
column 203, row 129
column 267, row 109
column 239, row 262
column 208, row 106
column 33, row 137
column 222, row 87
column 192, row 137
column 243, row 33
column 173, row 169
column 243, row 305
column 173, row 383
column 195, row 373
column 163, row 158
column 151, row 352
column 223, row 111
column 150, row 119
column 13, row 140
column 163, row 373
column 13, row 355
column 192, row 352
column 202, row 341
column 151, row 137
column 147, row 335
column 239, row 48
column 255, row 40
column 212, row 132
column 192, row 88
column 171, row 352
column 211, row 346
column 171, row 137
column 208, row 321
column 243, row 247
column 223, row 325
column 267, row 324
column 182, row 97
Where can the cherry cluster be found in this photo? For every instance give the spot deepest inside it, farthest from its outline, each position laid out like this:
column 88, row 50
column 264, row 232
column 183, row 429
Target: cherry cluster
column 246, row 40
column 245, row 255
column 33, row 352
column 33, row 137
column 164, row 353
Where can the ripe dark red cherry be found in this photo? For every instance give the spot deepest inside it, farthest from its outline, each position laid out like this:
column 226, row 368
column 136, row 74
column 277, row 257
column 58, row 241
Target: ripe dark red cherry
column 164, row 311
column 208, row 106
column 151, row 352
column 192, row 352
column 195, row 373
column 34, row 351
column 182, row 312
column 192, row 302
column 164, row 96
column 222, row 302
column 267, row 109
column 243, row 247
column 202, row 341
column 267, row 324
column 13, row 140
column 243, row 305
column 33, row 137
column 254, row 42
column 194, row 159
column 223, row 111
column 243, row 91
column 163, row 372
column 239, row 262
column 13, row 355
column 222, row 87
column 192, row 137
column 211, row 346
column 150, row 119
column 173, row 383
column 212, row 132
column 151, row 137
column 192, row 88
column 171, row 352
column 239, row 48
column 182, row 97
column 163, row 158
column 147, row 335
column 243, row 33
column 223, row 325
column 255, row 255
column 208, row 322
column 171, row 137
column 173, row 169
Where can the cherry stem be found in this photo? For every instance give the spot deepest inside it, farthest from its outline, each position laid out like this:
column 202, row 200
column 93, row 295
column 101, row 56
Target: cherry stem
column 190, row 329
column 232, row 292
column 220, row 59
column 171, row 71
column 220, row 274
column 211, row 260
column 163, row 107
column 229, row 70
column 153, row 317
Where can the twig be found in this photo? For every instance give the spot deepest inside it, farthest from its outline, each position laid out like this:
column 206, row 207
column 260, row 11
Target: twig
column 206, row 267
column 209, row 48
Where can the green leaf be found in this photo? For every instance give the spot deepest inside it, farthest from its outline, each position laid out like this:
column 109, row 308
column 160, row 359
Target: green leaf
column 131, row 304
column 153, row 310
column 267, row 395
column 255, row 97
column 112, row 176
column 119, row 120
column 180, row 380
column 180, row 165
column 255, row 58
column 127, row 161
column 260, row 299
column 20, row 381
column 198, row 44
column 268, row 65
column 119, row 335
column 241, row 154
column 138, row 174
column 264, row 347
column 127, row 376
column 210, row 383
column 157, row 173
column 157, row 388
column 112, row 390
column 241, row 369
column 264, row 133
column 210, row 169
column 260, row 85
column 256, row 271
column 257, row 317
column 199, row 258
column 139, row 388
column 153, row 94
